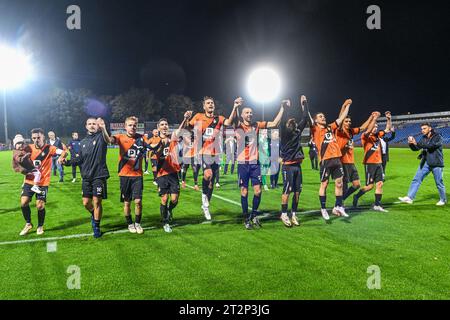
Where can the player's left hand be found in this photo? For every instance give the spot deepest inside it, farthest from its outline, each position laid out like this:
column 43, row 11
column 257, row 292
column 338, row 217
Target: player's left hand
column 61, row 160
column 348, row 102
column 388, row 115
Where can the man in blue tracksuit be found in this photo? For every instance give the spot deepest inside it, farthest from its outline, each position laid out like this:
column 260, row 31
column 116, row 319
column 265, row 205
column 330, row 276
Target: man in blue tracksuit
column 74, row 147
column 431, row 160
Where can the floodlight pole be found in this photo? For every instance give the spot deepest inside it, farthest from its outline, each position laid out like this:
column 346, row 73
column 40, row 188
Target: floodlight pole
column 5, row 116
column 263, row 110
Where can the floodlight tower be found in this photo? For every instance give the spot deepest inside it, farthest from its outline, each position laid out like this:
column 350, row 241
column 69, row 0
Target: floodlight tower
column 15, row 69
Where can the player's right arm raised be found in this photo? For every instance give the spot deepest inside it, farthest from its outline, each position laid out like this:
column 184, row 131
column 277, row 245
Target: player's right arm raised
column 345, row 108
column 106, row 137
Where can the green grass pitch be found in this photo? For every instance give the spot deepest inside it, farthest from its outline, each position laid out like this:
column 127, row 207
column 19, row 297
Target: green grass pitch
column 222, row 260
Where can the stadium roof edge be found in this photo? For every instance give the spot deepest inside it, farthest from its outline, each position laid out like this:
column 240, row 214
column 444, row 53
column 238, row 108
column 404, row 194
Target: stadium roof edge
column 419, row 115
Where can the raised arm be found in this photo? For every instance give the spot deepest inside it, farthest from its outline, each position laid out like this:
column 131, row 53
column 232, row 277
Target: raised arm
column 388, row 122
column 365, row 125
column 276, row 122
column 182, row 126
column 375, row 115
column 344, row 113
column 306, row 116
column 106, row 137
column 237, row 103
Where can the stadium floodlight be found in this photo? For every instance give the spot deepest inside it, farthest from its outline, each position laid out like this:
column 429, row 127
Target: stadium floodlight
column 264, row 85
column 15, row 69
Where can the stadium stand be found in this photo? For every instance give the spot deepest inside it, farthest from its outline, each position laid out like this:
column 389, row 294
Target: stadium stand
column 409, row 125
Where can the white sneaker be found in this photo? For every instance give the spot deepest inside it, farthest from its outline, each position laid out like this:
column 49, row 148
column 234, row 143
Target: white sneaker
column 406, row 199
column 294, row 220
column 324, row 213
column 146, row 172
column 217, row 185
column 40, row 231
column 379, row 208
column 138, row 228
column 441, row 203
column 266, row 187
column 206, row 213
column 26, row 229
column 341, row 211
column 285, row 219
column 167, row 228
column 36, row 190
column 73, row 180
column 132, row 228
column 155, row 183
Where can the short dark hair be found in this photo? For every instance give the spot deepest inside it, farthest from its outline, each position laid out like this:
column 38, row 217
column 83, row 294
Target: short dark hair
column 207, row 98
column 425, row 124
column 316, row 114
column 91, row 118
column 161, row 120
column 37, row 130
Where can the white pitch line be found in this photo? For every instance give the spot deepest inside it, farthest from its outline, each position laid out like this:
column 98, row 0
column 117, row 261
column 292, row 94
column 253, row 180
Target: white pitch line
column 222, row 198
column 73, row 236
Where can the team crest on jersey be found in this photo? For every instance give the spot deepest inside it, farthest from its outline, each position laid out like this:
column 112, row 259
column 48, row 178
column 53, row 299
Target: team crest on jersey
column 209, row 132
column 131, row 153
column 94, row 143
column 37, row 163
column 165, row 152
column 328, row 137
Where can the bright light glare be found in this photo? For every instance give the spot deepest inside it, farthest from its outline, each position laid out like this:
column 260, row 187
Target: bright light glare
column 15, row 68
column 264, row 85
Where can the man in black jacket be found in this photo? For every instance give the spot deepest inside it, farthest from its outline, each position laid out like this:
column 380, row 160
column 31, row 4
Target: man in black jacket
column 293, row 123
column 385, row 148
column 93, row 169
column 431, row 160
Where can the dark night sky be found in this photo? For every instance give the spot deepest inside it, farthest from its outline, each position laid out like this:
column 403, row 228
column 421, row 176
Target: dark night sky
column 322, row 48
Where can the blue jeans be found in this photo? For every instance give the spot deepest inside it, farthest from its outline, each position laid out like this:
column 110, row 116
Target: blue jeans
column 60, row 168
column 421, row 174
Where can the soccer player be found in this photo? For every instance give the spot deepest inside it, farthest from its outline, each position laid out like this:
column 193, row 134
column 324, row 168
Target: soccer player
column 249, row 168
column 132, row 150
column 344, row 137
column 153, row 140
column 74, row 148
column 431, row 160
column 330, row 159
column 373, row 162
column 167, row 169
column 41, row 155
column 291, row 153
column 189, row 159
column 208, row 125
column 94, row 170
